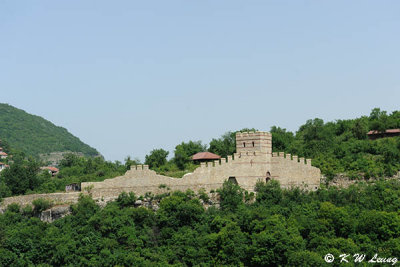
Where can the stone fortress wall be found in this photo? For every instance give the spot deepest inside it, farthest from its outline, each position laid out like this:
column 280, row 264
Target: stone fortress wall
column 253, row 161
column 55, row 198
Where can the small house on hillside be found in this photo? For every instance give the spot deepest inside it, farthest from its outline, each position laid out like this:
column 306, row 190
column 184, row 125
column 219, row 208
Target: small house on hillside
column 3, row 155
column 73, row 187
column 372, row 135
column 205, row 156
column 3, row 166
column 52, row 170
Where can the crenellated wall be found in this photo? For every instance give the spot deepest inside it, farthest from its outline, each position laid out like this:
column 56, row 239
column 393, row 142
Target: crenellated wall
column 253, row 161
column 245, row 167
column 292, row 171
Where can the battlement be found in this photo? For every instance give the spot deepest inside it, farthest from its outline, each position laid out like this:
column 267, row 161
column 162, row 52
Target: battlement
column 139, row 167
column 218, row 162
column 252, row 162
column 292, row 158
column 253, row 134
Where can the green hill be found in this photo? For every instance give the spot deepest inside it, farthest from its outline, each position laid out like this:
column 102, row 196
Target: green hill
column 34, row 135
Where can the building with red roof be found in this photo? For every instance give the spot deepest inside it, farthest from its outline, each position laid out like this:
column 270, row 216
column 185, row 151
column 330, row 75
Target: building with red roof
column 388, row 133
column 52, row 170
column 205, row 156
column 3, row 155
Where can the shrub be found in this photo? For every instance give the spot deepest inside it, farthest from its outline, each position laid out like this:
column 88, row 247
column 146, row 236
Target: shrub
column 14, row 207
column 126, row 200
column 41, row 204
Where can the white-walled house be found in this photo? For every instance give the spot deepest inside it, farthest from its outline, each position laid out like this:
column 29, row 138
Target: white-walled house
column 3, row 155
column 3, row 166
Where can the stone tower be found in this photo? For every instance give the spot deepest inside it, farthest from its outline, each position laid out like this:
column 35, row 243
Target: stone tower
column 254, row 142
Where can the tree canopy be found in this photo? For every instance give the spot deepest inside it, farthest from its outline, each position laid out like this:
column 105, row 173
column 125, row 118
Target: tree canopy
column 342, row 146
column 156, row 158
column 280, row 227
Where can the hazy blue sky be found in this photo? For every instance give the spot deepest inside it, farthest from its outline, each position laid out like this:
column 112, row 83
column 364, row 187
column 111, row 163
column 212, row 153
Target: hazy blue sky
column 130, row 76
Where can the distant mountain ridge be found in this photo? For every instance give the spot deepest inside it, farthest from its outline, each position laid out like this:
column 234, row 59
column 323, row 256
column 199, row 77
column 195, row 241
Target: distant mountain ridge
column 35, row 135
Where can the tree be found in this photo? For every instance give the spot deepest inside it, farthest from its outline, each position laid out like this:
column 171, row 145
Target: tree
column 84, row 209
column 360, row 128
column 268, row 193
column 125, row 200
column 231, row 196
column 69, row 160
column 156, row 158
column 281, row 139
column 272, row 240
column 316, row 137
column 184, row 151
column 21, row 176
column 180, row 209
column 4, row 190
column 378, row 120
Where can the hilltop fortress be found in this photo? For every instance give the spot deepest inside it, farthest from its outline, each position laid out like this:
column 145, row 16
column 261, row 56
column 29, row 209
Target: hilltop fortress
column 252, row 162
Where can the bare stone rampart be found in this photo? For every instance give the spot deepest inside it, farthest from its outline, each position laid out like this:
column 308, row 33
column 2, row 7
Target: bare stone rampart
column 55, row 198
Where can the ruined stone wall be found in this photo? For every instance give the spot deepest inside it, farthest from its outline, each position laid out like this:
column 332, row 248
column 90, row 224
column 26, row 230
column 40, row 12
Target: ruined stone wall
column 55, row 198
column 292, row 171
column 247, row 168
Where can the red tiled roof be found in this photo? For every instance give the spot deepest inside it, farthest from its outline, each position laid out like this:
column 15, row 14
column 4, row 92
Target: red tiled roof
column 1, row 163
column 387, row 131
column 53, row 169
column 205, row 155
column 3, row 153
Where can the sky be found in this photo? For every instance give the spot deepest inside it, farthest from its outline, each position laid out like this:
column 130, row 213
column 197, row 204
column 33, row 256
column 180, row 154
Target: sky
column 127, row 77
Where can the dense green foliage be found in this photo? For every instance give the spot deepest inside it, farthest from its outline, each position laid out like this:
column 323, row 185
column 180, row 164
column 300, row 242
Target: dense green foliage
column 21, row 177
column 34, row 135
column 25, row 177
column 156, row 158
column 343, row 147
column 278, row 228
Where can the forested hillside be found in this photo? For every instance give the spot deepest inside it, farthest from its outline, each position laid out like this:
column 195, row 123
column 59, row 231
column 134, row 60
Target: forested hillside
column 342, row 146
column 34, row 135
column 280, row 228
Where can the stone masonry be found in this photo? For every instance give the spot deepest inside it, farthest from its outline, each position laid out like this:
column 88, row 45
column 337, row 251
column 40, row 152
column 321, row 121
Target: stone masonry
column 253, row 161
